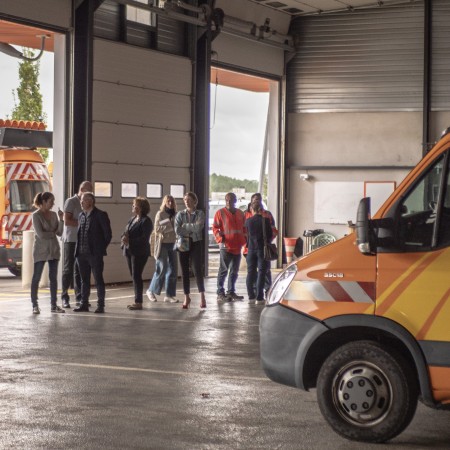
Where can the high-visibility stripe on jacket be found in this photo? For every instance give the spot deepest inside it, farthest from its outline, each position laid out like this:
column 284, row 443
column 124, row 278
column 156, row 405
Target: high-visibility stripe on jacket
column 229, row 230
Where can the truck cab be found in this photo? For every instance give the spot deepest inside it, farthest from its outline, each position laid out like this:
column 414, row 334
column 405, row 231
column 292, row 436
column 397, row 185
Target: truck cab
column 23, row 173
column 364, row 320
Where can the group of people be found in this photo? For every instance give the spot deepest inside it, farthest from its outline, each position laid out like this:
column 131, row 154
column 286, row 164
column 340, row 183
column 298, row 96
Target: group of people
column 86, row 234
column 246, row 233
column 176, row 231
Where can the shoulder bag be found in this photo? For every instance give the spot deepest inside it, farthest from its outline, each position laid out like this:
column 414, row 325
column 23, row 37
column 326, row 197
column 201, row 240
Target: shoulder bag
column 156, row 239
column 270, row 250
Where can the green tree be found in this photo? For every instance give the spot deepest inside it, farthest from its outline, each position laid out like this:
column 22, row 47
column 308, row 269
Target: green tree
column 29, row 104
column 222, row 183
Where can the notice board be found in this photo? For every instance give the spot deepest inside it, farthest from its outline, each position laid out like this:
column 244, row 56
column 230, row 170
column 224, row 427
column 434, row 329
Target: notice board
column 378, row 191
column 336, row 202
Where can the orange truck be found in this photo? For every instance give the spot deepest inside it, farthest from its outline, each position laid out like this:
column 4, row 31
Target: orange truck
column 23, row 173
column 365, row 320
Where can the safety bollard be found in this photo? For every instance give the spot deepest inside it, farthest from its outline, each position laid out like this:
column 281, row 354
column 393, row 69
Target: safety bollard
column 27, row 262
column 289, row 245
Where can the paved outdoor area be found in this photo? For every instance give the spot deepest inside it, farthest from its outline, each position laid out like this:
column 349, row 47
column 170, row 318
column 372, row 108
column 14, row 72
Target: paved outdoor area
column 160, row 378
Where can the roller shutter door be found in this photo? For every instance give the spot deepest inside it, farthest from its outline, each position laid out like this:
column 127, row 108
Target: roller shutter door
column 440, row 78
column 141, row 131
column 368, row 60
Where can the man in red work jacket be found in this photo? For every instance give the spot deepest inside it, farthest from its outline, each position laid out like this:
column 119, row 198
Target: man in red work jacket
column 268, row 215
column 229, row 231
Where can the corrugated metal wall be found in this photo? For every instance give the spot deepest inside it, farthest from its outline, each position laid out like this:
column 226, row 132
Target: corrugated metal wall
column 171, row 36
column 168, row 36
column 440, row 75
column 364, row 61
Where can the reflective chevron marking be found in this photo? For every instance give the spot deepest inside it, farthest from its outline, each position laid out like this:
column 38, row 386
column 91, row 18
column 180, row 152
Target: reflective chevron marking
column 332, row 291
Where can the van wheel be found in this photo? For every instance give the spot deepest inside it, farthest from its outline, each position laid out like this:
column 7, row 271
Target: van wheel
column 365, row 393
column 16, row 271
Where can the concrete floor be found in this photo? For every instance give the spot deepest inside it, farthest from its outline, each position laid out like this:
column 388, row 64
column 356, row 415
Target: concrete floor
column 161, row 378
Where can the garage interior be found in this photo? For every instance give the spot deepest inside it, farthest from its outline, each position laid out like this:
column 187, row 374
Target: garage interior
column 360, row 91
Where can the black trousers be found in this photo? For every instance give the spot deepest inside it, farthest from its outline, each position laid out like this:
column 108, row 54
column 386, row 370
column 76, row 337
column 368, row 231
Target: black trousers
column 91, row 264
column 70, row 273
column 136, row 266
column 194, row 257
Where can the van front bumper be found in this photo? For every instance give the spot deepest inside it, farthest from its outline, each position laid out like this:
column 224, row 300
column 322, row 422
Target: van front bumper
column 285, row 337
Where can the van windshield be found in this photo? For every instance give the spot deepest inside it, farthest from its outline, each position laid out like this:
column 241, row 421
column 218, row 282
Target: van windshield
column 22, row 193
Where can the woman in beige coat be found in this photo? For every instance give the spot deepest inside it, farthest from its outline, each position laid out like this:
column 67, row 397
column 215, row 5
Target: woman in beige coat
column 166, row 263
column 47, row 226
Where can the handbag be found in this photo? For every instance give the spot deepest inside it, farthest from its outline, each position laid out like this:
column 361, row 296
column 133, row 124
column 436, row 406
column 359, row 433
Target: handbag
column 182, row 244
column 270, row 250
column 156, row 239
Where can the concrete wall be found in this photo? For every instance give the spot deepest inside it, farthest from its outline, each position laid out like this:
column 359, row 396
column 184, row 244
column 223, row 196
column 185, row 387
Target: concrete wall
column 332, row 143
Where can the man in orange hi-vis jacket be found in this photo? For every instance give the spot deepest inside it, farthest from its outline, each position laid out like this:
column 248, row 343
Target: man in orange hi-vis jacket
column 229, row 231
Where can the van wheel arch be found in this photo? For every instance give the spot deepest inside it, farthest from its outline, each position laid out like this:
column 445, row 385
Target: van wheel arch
column 322, row 347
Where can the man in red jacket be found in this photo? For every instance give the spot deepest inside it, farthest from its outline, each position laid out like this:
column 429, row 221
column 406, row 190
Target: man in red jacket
column 229, row 231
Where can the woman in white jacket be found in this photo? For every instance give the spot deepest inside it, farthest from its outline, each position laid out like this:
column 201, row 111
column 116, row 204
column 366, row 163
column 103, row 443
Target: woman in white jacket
column 47, row 226
column 166, row 263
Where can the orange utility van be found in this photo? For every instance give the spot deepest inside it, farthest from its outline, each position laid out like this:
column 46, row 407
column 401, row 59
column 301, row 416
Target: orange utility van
column 23, row 174
column 366, row 320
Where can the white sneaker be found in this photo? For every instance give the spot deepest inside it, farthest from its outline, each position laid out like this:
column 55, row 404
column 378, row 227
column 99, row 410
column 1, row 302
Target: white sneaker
column 151, row 296
column 260, row 302
column 166, row 299
column 251, row 301
column 171, row 299
column 36, row 310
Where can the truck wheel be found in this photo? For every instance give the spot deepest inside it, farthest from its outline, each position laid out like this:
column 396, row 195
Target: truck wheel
column 365, row 393
column 16, row 271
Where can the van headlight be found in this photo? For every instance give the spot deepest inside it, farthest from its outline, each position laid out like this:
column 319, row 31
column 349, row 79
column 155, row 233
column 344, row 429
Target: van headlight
column 280, row 284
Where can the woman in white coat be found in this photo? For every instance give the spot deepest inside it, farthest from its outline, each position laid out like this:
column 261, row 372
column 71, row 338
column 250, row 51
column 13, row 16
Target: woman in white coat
column 47, row 226
column 166, row 263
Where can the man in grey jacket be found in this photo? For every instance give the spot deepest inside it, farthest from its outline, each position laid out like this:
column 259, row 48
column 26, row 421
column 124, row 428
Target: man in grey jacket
column 70, row 272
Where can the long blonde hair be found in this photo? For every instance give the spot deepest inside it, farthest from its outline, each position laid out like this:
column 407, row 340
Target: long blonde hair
column 164, row 200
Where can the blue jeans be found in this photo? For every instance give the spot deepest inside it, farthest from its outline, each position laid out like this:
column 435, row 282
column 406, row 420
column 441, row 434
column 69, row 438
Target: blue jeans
column 268, row 280
column 257, row 268
column 52, row 274
column 165, row 272
column 229, row 265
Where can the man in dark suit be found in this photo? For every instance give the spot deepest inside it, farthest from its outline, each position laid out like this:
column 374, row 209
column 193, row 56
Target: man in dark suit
column 94, row 236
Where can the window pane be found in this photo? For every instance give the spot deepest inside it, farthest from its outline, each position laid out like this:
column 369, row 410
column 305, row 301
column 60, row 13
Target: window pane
column 139, row 15
column 444, row 228
column 129, row 190
column 103, row 189
column 154, row 190
column 418, row 211
column 177, row 190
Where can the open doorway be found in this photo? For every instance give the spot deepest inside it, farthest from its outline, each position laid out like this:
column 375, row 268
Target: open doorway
column 27, row 64
column 242, row 119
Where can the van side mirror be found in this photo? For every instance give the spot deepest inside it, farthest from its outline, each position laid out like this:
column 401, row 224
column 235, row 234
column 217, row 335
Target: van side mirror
column 363, row 228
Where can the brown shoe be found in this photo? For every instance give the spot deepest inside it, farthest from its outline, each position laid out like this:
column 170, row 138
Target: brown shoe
column 135, row 306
